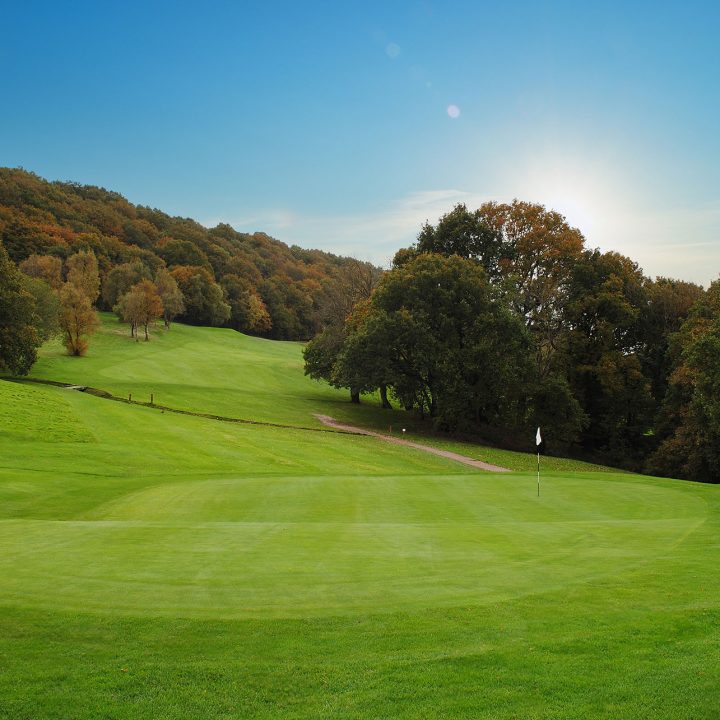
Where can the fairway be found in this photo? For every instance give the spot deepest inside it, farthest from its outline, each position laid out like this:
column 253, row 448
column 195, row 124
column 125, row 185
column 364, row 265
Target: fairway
column 201, row 369
column 164, row 565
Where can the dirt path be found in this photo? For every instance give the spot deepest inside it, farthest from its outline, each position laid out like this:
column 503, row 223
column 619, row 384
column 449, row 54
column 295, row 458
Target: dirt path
column 324, row 419
column 479, row 464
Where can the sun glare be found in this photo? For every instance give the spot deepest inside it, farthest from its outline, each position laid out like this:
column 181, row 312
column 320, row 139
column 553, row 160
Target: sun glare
column 582, row 194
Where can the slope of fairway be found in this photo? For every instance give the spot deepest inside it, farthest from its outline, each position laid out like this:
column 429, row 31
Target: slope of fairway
column 197, row 518
column 209, row 370
column 157, row 565
column 222, row 372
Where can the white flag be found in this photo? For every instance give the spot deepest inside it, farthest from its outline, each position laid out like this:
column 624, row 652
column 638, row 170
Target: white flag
column 538, row 439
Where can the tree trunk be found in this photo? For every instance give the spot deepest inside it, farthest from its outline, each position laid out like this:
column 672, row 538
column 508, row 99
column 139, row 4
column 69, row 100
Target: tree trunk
column 146, row 332
column 383, row 396
column 354, row 396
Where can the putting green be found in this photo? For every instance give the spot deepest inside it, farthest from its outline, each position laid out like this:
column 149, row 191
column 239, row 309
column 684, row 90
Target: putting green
column 298, row 547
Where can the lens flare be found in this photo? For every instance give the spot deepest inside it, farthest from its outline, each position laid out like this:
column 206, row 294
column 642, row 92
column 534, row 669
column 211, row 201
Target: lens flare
column 453, row 111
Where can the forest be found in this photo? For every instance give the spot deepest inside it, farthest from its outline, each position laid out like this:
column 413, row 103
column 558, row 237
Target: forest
column 496, row 321
column 500, row 320
column 250, row 282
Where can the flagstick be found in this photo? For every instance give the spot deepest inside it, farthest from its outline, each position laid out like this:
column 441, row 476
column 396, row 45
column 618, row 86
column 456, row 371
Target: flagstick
column 538, row 474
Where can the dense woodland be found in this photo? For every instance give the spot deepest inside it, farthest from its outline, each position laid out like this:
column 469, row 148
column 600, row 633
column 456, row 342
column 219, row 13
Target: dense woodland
column 494, row 322
column 500, row 320
column 252, row 283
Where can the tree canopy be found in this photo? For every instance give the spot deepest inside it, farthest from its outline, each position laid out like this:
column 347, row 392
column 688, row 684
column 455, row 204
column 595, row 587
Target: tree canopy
column 501, row 319
column 498, row 317
column 689, row 423
column 19, row 335
column 43, row 224
column 140, row 306
column 435, row 333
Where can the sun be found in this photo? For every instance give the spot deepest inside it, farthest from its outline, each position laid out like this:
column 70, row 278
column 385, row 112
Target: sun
column 580, row 192
column 578, row 208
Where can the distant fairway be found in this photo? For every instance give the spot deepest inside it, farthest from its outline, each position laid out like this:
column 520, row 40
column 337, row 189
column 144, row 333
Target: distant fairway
column 203, row 369
column 157, row 565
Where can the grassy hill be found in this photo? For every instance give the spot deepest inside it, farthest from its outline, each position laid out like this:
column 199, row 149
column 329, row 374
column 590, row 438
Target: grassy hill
column 157, row 565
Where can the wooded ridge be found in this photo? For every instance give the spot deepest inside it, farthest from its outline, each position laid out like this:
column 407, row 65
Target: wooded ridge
column 494, row 322
column 251, row 282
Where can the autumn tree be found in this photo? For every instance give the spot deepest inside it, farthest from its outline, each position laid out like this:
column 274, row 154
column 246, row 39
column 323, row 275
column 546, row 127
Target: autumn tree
column 170, row 295
column 140, row 306
column 258, row 317
column 82, row 272
column 248, row 312
column 540, row 251
column 528, row 253
column 78, row 319
column 56, row 219
column 352, row 284
column 526, row 250
column 203, row 297
column 120, row 279
column 44, row 267
column 126, row 312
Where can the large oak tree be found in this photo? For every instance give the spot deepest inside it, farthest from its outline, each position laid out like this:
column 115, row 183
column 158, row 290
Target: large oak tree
column 436, row 332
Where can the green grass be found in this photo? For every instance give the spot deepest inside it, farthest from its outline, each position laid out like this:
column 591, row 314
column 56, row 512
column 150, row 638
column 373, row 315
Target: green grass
column 203, row 369
column 222, row 372
column 156, row 565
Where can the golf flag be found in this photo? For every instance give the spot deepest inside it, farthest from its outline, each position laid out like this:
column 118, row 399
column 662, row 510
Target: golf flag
column 538, row 439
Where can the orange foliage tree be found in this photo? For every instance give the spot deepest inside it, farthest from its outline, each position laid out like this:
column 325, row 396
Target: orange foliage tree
column 77, row 318
column 140, row 306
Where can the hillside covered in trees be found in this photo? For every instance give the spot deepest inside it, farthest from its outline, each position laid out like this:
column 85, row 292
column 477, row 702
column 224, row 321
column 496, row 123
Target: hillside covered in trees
column 494, row 322
column 500, row 320
column 253, row 283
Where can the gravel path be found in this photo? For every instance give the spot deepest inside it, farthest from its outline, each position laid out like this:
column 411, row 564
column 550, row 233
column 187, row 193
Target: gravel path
column 479, row 464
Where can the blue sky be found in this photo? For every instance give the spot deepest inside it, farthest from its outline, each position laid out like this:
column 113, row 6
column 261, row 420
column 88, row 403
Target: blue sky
column 345, row 126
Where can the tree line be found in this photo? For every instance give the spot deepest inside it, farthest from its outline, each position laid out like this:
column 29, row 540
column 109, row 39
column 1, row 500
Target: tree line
column 501, row 319
column 495, row 321
column 249, row 282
